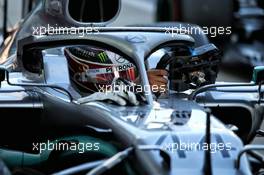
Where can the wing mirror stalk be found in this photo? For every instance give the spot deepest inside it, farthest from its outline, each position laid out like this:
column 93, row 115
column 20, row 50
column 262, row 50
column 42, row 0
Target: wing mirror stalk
column 257, row 79
column 4, row 76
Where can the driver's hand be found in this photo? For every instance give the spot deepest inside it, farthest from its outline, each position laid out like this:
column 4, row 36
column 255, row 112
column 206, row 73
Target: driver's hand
column 158, row 79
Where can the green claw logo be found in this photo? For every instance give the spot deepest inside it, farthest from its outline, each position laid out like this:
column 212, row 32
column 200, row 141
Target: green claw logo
column 103, row 57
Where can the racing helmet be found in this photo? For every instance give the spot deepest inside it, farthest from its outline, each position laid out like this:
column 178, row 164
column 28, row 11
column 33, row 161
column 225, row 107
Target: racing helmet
column 93, row 69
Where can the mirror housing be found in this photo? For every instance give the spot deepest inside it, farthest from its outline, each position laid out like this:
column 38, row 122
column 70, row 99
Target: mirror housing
column 258, row 74
column 82, row 13
column 93, row 11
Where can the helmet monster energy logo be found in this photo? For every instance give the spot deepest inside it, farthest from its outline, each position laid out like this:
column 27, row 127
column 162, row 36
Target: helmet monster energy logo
column 103, row 57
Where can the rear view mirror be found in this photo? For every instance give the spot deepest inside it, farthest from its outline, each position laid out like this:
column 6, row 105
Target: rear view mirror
column 93, row 11
column 258, row 74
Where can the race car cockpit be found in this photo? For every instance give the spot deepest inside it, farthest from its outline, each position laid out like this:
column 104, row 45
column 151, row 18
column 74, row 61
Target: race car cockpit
column 83, row 83
column 94, row 69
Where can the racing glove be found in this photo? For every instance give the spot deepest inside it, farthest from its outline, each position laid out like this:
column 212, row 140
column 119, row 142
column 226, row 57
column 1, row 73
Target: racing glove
column 119, row 93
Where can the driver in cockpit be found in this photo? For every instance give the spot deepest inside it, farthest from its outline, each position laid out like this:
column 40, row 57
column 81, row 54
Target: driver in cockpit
column 91, row 67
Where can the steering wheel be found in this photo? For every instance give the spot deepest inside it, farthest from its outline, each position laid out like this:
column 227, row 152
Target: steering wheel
column 191, row 68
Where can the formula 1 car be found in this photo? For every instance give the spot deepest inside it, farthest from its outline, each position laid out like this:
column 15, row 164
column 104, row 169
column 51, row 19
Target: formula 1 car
column 49, row 126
